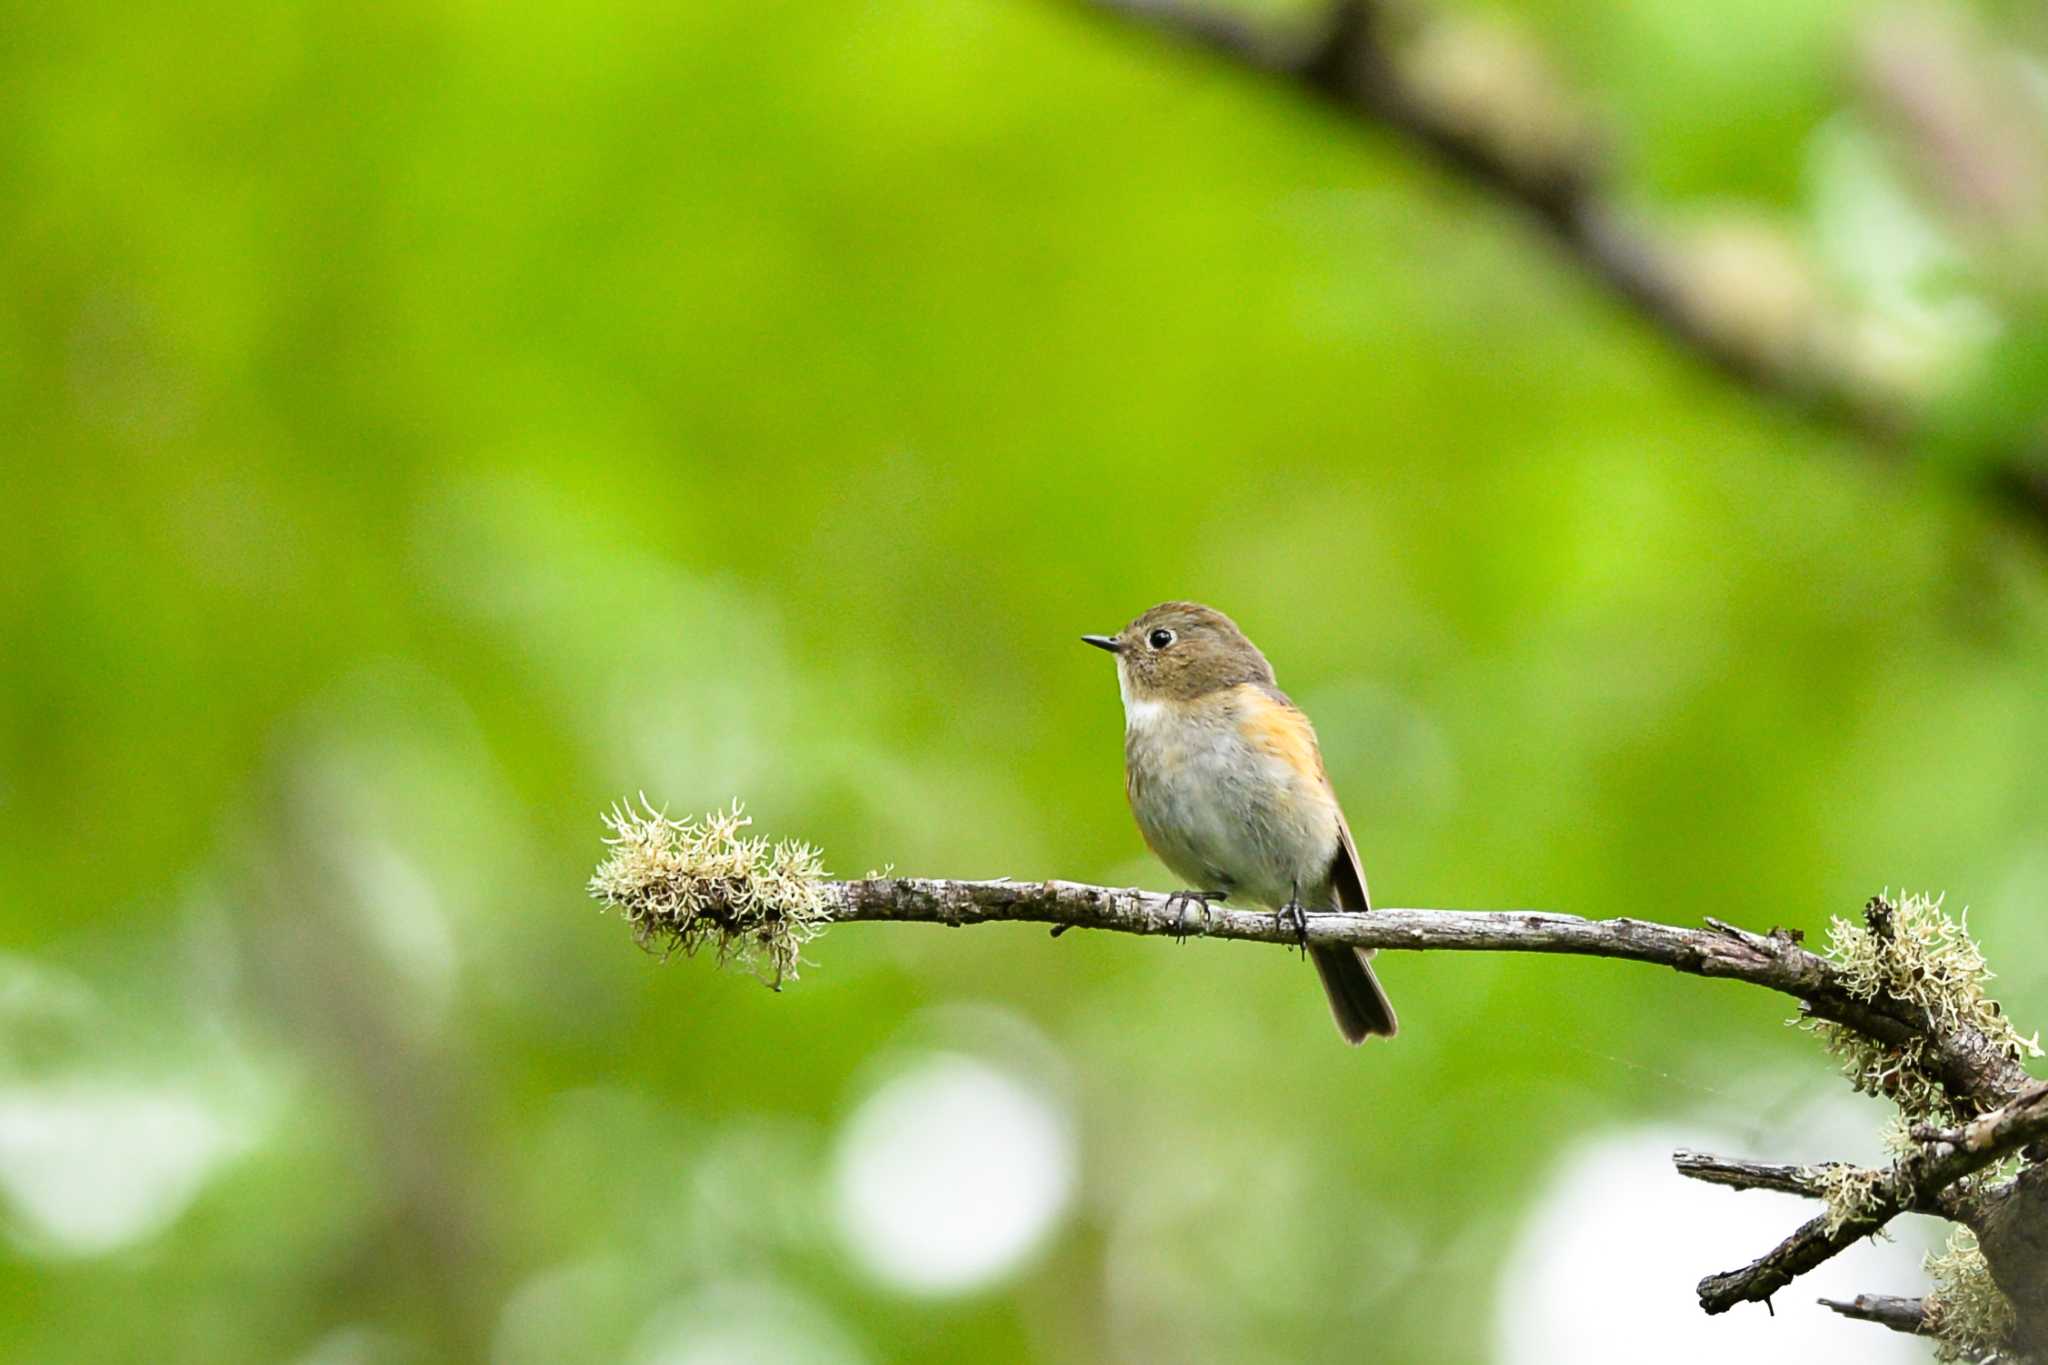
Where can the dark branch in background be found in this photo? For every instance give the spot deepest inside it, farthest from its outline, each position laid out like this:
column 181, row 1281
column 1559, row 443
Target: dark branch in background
column 1899, row 1000
column 1353, row 65
column 312, row 962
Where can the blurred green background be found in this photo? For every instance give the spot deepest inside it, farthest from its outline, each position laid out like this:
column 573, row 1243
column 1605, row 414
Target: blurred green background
column 426, row 424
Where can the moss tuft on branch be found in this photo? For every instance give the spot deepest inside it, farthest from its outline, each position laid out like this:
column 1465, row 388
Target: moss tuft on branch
column 1912, row 952
column 695, row 883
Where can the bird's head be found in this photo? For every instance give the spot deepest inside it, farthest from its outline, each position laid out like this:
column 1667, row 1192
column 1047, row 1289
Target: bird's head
column 1179, row 651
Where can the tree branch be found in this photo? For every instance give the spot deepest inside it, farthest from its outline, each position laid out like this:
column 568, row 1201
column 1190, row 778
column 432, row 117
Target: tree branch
column 1976, row 1073
column 1905, row 1001
column 2012, row 1108
column 1774, row 961
column 1738, row 1174
column 1808, row 1181
column 1351, row 66
column 1889, row 1310
column 1914, row 1181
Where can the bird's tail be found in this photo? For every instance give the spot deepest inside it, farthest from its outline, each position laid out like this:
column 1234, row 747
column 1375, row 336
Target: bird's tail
column 1361, row 1007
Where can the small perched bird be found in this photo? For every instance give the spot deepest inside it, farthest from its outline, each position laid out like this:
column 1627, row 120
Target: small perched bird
column 1227, row 782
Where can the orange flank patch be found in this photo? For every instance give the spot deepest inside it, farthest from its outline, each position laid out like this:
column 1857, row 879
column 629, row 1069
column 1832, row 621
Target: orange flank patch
column 1277, row 729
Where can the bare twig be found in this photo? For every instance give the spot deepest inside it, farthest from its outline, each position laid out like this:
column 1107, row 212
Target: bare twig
column 1914, row 1181
column 1749, row 1175
column 1775, row 961
column 1351, row 66
column 1890, row 1310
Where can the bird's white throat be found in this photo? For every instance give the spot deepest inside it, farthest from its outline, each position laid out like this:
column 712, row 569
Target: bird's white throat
column 1139, row 713
column 1143, row 715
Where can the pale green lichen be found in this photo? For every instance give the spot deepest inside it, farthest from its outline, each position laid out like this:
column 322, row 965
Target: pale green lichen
column 1910, row 951
column 695, row 883
column 1897, row 1137
column 1848, row 1192
column 1969, row 1316
column 1913, row 951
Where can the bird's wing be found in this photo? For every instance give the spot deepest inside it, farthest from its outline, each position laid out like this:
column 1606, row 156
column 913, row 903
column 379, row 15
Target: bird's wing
column 1357, row 1000
column 1347, row 874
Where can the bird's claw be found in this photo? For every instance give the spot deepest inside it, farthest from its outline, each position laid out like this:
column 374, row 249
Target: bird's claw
column 1182, row 899
column 1291, row 915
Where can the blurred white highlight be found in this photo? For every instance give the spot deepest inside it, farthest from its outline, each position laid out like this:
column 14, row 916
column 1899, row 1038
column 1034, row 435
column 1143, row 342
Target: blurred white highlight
column 951, row 1174
column 87, row 1168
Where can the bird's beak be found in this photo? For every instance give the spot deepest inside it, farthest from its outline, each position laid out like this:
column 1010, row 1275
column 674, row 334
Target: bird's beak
column 1107, row 642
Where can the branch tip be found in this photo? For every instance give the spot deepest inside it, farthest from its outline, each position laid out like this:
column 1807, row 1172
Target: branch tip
column 700, row 882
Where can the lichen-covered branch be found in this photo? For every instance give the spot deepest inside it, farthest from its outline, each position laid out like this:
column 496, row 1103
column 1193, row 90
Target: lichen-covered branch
column 690, row 884
column 1900, row 998
column 1913, row 1181
column 694, row 883
column 1820, row 1181
column 1516, row 136
column 1990, row 1298
column 1912, row 953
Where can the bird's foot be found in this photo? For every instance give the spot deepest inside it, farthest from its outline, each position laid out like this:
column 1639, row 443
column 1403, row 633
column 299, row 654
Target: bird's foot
column 1291, row 915
column 1183, row 899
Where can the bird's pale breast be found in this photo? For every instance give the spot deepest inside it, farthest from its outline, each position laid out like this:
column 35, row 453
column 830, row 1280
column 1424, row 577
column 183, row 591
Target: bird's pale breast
column 1229, row 791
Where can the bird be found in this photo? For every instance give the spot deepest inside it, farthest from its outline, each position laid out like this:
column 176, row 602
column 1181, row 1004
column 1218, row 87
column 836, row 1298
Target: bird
column 1227, row 782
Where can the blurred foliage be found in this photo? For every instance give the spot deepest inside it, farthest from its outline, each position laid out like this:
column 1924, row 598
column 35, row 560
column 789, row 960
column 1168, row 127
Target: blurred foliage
column 429, row 424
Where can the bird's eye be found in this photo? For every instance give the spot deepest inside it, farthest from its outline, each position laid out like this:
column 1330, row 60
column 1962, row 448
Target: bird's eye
column 1160, row 639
